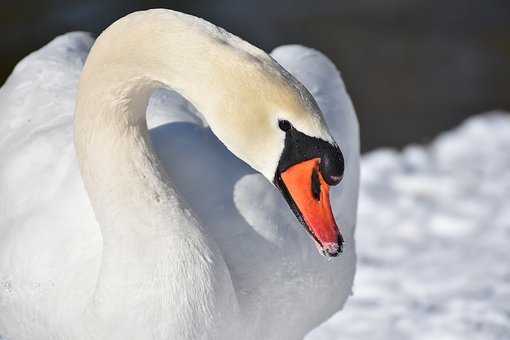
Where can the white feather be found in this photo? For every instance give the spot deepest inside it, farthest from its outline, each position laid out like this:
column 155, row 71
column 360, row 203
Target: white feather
column 223, row 258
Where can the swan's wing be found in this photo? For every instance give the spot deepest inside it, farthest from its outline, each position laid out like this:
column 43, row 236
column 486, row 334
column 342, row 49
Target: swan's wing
column 47, row 227
column 36, row 115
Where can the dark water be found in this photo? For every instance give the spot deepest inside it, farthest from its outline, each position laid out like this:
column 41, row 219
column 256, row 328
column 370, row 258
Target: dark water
column 414, row 68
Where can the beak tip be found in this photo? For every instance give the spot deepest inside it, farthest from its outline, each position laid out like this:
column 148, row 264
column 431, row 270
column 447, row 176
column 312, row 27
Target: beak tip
column 333, row 249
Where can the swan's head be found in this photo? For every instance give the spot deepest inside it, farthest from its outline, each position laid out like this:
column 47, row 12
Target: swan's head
column 306, row 169
column 273, row 123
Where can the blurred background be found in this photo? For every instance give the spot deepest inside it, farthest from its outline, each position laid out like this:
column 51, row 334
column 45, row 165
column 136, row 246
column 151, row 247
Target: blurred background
column 413, row 68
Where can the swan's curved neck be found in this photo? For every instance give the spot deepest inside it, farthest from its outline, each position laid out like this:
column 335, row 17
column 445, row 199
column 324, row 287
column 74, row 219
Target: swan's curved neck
column 152, row 245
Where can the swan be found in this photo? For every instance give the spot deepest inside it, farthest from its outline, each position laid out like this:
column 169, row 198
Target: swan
column 109, row 230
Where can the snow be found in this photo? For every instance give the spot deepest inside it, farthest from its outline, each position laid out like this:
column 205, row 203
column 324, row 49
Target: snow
column 433, row 240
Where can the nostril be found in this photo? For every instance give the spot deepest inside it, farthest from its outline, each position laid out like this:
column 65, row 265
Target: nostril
column 316, row 185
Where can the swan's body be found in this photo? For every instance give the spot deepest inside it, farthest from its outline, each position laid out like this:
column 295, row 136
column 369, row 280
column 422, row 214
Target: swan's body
column 142, row 251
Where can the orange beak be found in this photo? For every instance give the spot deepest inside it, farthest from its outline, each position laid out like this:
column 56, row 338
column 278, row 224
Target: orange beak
column 308, row 195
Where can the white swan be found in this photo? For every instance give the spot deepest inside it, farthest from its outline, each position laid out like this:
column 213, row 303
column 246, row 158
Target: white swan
column 191, row 244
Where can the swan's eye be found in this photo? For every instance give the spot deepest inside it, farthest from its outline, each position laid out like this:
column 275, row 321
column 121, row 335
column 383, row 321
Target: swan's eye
column 316, row 185
column 284, row 125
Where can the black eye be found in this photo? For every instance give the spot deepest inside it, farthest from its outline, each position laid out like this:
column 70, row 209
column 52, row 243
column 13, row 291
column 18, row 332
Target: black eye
column 284, row 125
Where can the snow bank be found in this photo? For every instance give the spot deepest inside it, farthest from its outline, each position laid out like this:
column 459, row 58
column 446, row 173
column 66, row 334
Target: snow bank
column 433, row 240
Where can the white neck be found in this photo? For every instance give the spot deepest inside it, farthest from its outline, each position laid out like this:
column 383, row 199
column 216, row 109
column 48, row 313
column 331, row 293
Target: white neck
column 152, row 245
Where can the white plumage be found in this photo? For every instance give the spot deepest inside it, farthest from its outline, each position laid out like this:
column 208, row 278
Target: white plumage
column 267, row 280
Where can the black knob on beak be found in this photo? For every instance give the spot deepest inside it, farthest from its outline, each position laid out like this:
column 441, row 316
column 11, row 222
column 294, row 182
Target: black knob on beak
column 299, row 147
column 332, row 166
